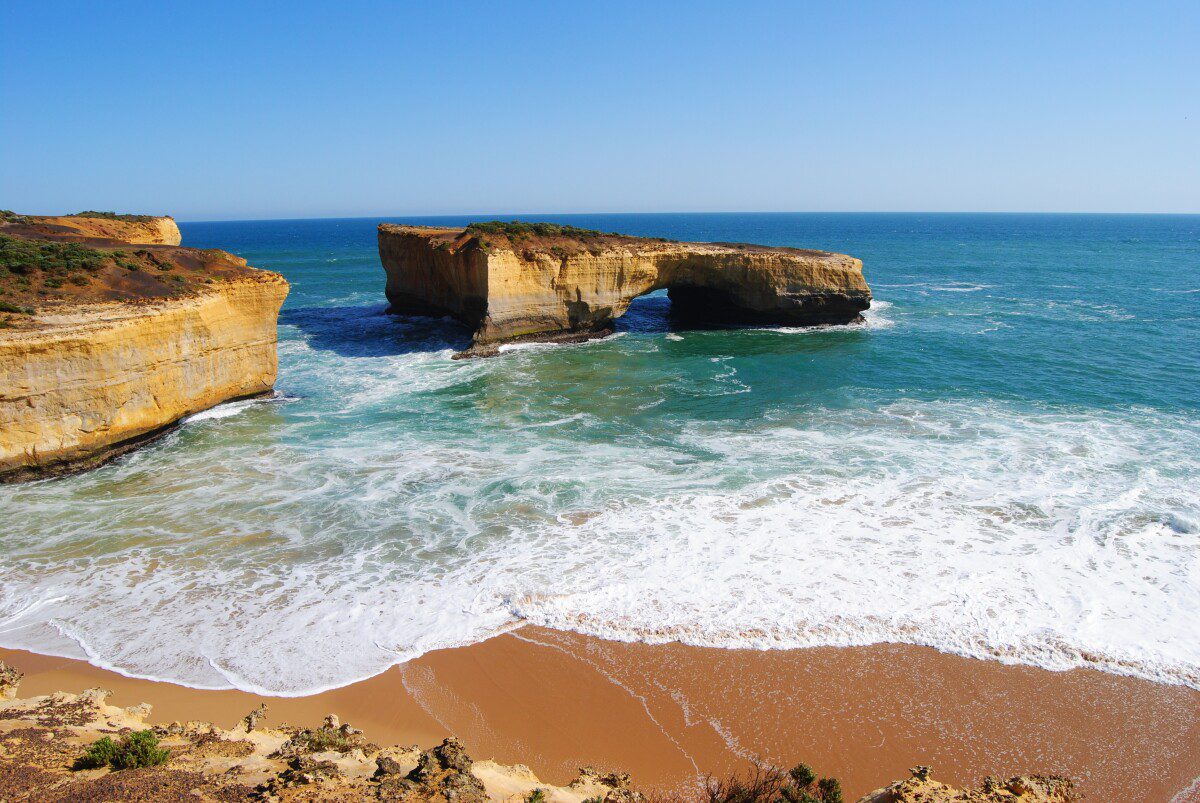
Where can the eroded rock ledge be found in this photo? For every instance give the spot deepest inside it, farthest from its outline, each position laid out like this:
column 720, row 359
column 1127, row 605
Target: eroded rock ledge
column 104, row 345
column 512, row 282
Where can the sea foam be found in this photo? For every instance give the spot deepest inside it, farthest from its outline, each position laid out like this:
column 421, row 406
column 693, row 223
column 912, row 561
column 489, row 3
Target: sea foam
column 1038, row 538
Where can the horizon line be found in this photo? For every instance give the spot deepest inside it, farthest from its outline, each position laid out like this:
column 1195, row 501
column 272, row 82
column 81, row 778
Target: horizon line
column 528, row 215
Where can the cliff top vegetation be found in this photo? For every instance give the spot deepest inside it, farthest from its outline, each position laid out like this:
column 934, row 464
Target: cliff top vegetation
column 518, row 229
column 114, row 216
column 37, row 270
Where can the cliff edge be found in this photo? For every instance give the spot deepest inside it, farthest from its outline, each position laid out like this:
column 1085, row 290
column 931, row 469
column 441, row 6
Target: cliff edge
column 521, row 281
column 104, row 346
column 132, row 229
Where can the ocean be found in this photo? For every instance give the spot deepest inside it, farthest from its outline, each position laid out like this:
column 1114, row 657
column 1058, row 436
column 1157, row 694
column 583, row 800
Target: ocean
column 1003, row 461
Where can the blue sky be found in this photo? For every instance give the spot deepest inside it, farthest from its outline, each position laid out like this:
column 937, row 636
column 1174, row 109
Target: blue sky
column 260, row 110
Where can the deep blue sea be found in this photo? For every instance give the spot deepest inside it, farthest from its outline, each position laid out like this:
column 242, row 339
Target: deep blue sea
column 1003, row 462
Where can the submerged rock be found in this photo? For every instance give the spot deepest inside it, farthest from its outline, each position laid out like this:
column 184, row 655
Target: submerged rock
column 519, row 282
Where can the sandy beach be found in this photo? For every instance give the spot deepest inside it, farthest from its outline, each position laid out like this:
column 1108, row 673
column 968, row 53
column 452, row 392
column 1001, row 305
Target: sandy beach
column 669, row 714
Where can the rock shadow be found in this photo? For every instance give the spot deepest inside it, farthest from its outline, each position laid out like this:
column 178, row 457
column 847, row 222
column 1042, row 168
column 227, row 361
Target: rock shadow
column 369, row 330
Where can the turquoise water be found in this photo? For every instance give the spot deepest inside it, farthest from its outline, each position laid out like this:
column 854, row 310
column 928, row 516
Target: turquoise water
column 1002, row 462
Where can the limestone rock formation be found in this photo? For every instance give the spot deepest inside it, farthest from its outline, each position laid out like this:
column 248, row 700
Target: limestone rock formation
column 103, row 346
column 133, row 229
column 922, row 788
column 10, row 681
column 512, row 282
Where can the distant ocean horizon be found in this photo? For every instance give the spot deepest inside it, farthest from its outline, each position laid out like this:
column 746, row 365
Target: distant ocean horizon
column 1001, row 462
column 466, row 217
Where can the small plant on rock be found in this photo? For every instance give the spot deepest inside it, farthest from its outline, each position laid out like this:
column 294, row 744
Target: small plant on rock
column 766, row 784
column 137, row 749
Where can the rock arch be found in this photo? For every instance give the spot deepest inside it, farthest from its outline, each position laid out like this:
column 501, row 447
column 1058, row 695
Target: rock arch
column 516, row 285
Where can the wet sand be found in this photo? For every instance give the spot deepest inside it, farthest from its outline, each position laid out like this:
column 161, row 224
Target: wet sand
column 668, row 714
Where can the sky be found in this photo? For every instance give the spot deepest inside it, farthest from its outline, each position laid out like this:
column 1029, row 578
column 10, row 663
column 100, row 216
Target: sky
column 254, row 110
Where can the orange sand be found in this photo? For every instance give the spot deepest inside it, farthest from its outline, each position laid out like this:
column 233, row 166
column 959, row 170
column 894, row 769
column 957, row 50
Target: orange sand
column 668, row 714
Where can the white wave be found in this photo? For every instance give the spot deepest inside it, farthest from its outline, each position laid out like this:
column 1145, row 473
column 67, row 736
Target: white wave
column 225, row 410
column 960, row 287
column 875, row 317
column 542, row 346
column 1044, row 537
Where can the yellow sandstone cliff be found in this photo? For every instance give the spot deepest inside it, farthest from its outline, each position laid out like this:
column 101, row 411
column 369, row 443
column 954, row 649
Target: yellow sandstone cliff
column 105, row 347
column 132, row 229
column 542, row 281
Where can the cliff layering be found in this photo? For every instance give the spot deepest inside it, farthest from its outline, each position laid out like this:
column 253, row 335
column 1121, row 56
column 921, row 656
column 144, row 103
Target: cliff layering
column 545, row 282
column 103, row 346
column 132, row 229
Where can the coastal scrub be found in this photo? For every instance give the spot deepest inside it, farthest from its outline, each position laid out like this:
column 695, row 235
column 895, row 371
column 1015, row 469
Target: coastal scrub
column 137, row 749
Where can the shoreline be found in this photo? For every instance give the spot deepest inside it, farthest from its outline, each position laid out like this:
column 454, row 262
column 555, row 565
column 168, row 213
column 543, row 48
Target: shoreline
column 669, row 714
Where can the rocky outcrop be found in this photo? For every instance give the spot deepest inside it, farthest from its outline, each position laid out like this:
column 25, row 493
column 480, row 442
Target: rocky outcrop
column 513, row 282
column 132, row 229
column 105, row 347
column 922, row 788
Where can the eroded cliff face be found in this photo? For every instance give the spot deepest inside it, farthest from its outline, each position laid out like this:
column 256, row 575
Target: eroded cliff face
column 540, row 287
column 103, row 347
column 92, row 382
column 132, row 229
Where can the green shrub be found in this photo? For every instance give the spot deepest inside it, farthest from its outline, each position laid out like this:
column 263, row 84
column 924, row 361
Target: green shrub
column 100, row 754
column 766, row 784
column 6, row 306
column 322, row 739
column 536, row 796
column 137, row 749
column 829, row 790
column 802, row 775
column 25, row 257
column 113, row 216
column 519, row 229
